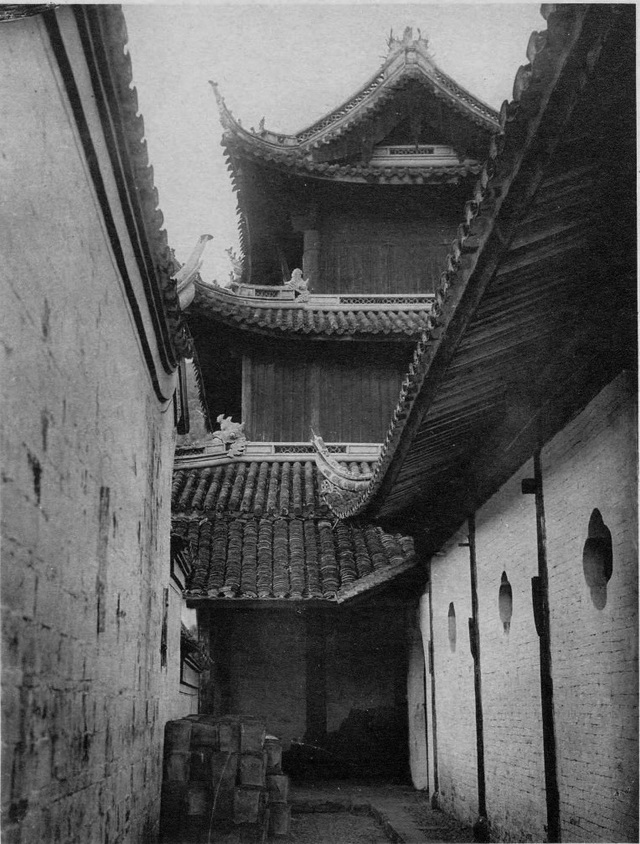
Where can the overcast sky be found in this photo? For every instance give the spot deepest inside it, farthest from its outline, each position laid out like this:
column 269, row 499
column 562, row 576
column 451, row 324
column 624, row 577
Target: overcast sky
column 291, row 63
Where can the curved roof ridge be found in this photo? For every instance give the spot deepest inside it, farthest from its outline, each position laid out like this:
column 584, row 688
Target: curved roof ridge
column 425, row 63
column 409, row 59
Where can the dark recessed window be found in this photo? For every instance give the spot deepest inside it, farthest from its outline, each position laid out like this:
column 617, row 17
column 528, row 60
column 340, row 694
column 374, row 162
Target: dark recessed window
column 505, row 602
column 597, row 559
column 452, row 627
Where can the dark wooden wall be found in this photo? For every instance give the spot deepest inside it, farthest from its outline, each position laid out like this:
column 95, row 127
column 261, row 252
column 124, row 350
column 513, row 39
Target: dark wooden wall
column 345, row 397
column 380, row 256
column 393, row 241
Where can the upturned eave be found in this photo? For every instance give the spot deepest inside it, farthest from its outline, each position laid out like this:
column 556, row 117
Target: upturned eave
column 280, row 312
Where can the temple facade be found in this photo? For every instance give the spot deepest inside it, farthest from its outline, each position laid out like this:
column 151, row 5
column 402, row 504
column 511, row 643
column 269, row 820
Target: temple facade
column 345, row 228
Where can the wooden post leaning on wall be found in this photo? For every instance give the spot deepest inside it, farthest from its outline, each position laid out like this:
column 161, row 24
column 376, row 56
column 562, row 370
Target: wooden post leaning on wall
column 481, row 826
column 540, row 595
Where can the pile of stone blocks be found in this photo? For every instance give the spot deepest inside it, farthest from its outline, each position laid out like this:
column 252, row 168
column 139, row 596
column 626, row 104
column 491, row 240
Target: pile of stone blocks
column 222, row 782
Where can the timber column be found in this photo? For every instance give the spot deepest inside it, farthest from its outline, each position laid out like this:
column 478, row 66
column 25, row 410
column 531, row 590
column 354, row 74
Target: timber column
column 307, row 223
column 311, row 255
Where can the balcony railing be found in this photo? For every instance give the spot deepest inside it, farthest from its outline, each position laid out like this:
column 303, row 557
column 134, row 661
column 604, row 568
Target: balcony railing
column 263, row 295
column 274, row 452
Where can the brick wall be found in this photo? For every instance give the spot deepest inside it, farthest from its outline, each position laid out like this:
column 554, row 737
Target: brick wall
column 506, row 542
column 453, row 667
column 592, row 464
column 87, row 452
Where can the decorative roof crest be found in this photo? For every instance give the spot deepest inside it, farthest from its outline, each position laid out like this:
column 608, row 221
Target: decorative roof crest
column 337, row 477
column 408, row 41
column 299, row 285
column 231, row 434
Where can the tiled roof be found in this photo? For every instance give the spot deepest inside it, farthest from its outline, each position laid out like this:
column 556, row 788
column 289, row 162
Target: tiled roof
column 259, row 530
column 407, row 60
column 294, row 159
column 297, row 318
column 254, row 488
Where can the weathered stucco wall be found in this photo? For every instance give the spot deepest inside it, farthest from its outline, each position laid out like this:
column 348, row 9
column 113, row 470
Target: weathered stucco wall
column 590, row 465
column 87, row 452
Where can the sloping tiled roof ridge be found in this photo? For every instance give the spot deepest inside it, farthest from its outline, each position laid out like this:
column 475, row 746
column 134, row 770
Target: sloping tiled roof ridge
column 465, row 101
column 165, row 264
column 258, row 488
column 544, row 52
column 309, row 319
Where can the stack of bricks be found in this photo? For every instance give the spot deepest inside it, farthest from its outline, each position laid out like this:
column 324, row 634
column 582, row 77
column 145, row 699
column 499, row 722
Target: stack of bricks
column 222, row 781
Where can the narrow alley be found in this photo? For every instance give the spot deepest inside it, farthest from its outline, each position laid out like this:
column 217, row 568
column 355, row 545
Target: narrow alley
column 332, row 540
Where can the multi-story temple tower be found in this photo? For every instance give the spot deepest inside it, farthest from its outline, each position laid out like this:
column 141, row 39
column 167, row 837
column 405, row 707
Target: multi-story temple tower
column 345, row 230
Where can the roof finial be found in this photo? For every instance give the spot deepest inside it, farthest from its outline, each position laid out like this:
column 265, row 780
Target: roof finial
column 407, row 40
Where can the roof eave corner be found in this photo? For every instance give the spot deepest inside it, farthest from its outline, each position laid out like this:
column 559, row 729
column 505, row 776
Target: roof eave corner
column 227, row 120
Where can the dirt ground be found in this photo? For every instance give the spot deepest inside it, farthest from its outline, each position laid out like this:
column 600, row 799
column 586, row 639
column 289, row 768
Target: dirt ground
column 335, row 828
column 435, row 825
column 349, row 812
